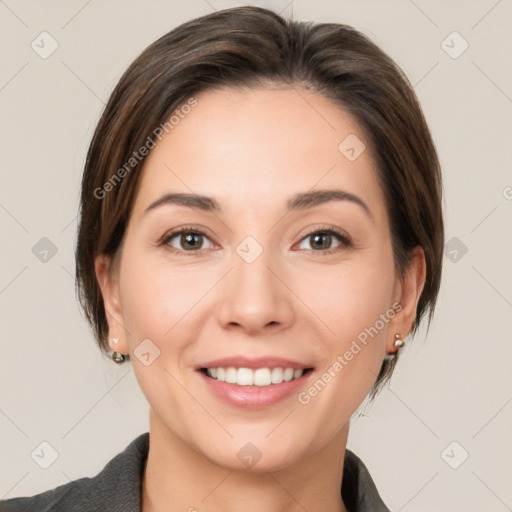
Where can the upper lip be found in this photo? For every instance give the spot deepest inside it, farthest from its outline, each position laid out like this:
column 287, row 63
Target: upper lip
column 253, row 363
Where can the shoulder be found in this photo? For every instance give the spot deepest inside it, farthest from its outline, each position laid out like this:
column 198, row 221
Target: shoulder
column 358, row 488
column 117, row 487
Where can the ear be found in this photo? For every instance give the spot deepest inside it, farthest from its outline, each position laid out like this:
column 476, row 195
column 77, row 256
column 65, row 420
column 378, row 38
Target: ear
column 107, row 275
column 407, row 293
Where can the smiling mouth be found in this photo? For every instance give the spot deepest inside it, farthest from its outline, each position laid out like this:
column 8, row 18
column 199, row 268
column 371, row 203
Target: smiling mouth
column 261, row 377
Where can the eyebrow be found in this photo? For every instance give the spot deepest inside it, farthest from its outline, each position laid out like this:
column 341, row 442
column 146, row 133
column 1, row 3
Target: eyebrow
column 300, row 201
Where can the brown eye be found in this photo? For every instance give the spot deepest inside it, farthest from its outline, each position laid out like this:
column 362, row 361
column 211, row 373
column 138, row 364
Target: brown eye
column 191, row 240
column 187, row 240
column 321, row 241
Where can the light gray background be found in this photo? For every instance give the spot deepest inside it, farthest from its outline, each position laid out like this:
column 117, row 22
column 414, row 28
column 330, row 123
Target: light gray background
column 454, row 386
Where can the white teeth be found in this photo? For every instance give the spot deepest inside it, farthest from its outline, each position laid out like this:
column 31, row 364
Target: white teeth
column 288, row 374
column 231, row 375
column 249, row 377
column 262, row 377
column 277, row 376
column 245, row 377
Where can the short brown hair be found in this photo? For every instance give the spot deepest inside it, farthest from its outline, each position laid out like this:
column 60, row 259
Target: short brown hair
column 255, row 47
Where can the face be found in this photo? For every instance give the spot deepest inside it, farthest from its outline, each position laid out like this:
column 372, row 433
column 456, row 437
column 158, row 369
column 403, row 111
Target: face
column 260, row 277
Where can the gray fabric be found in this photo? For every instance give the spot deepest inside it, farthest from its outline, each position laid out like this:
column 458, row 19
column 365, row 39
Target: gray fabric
column 117, row 488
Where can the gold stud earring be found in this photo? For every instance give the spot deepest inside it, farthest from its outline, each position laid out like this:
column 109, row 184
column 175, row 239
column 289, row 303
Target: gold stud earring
column 399, row 342
column 118, row 357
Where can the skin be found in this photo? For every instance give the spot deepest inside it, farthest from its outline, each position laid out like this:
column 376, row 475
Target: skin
column 251, row 150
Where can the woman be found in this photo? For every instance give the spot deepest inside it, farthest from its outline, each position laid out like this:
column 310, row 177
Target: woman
column 261, row 227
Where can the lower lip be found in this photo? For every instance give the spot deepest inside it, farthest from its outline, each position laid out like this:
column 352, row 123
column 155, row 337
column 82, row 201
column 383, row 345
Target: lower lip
column 254, row 397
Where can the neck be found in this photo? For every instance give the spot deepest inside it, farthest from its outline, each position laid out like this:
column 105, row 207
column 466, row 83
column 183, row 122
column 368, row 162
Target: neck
column 178, row 478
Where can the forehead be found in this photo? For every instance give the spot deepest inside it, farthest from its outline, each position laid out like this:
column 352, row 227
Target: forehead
column 245, row 147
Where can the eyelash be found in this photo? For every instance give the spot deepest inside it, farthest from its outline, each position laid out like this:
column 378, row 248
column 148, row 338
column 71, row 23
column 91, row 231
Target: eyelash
column 164, row 241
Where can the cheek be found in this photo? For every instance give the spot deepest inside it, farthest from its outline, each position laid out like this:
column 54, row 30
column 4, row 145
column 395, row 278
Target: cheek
column 157, row 304
column 355, row 302
column 352, row 298
column 156, row 297
column 352, row 355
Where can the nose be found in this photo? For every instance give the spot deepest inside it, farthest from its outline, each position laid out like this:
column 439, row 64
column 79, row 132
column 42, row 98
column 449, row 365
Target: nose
column 255, row 297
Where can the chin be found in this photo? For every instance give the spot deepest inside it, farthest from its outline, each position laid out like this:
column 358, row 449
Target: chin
column 254, row 456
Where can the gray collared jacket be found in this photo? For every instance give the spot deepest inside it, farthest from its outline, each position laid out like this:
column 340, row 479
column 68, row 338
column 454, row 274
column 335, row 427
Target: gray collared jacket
column 118, row 487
